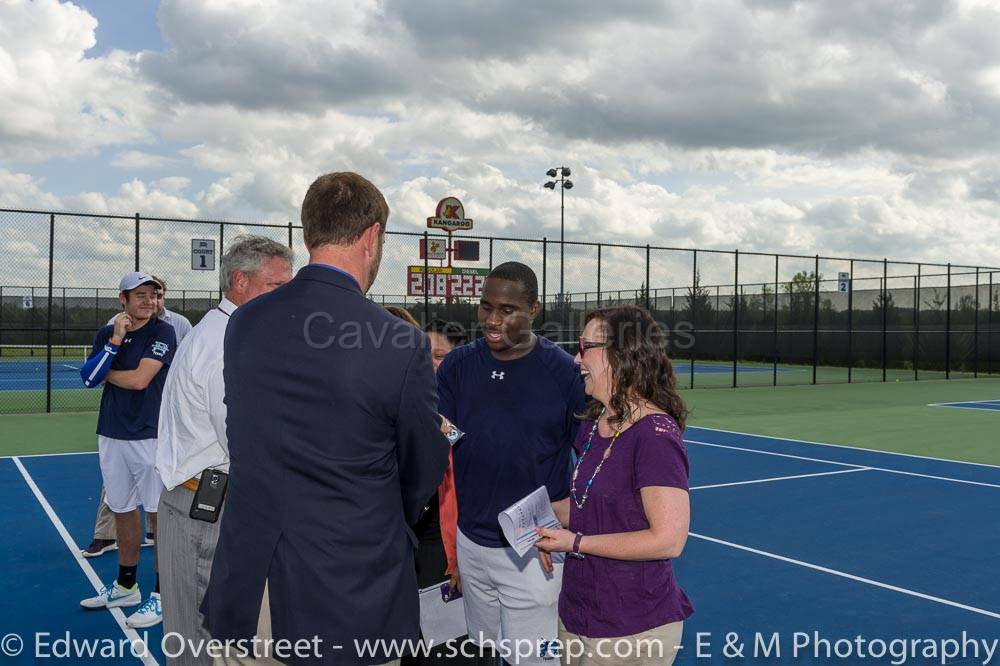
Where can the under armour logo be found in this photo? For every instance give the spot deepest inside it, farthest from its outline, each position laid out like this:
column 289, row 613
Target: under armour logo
column 496, row 375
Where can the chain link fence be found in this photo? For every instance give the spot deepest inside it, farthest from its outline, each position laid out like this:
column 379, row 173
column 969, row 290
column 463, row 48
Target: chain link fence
column 734, row 318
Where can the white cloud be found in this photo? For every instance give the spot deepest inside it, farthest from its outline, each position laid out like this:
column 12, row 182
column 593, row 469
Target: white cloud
column 135, row 196
column 21, row 190
column 55, row 100
column 172, row 184
column 137, row 159
column 865, row 128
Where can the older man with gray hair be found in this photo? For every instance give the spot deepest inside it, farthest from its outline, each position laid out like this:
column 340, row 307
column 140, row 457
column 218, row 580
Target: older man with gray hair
column 193, row 448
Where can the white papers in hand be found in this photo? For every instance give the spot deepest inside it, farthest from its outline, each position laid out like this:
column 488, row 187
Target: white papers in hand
column 519, row 520
column 441, row 621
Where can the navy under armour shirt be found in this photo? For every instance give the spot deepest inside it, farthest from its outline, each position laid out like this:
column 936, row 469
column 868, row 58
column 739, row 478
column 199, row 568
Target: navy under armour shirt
column 125, row 413
column 519, row 424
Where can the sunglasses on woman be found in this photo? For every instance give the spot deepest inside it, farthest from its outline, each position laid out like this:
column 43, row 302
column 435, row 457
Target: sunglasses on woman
column 584, row 345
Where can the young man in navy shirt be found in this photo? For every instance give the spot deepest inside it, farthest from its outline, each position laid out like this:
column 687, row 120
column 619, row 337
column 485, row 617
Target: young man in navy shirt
column 515, row 395
column 104, row 525
column 130, row 357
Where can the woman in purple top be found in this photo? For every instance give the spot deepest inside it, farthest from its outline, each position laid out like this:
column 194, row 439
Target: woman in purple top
column 628, row 509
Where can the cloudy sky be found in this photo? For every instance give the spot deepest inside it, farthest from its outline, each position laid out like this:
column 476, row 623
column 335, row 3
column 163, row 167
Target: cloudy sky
column 855, row 127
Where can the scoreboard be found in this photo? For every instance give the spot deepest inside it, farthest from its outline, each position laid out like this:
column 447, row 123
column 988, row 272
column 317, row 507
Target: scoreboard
column 446, row 281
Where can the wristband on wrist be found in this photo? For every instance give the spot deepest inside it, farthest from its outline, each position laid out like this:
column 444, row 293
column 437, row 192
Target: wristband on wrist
column 576, row 546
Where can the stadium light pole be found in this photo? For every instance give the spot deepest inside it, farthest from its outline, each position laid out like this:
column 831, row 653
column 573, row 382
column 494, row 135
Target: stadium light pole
column 564, row 184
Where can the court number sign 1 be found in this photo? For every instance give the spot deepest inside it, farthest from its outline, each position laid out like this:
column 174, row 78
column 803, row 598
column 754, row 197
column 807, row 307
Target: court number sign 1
column 202, row 254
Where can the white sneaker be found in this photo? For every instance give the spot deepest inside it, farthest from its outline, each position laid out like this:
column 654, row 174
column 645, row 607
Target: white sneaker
column 114, row 596
column 150, row 613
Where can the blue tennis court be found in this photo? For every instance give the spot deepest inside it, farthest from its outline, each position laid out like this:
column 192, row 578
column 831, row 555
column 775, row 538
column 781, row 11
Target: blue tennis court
column 809, row 542
column 28, row 374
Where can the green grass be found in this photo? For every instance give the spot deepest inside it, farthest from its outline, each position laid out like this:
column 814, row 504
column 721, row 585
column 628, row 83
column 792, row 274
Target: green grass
column 63, row 400
column 22, row 434
column 15, row 352
column 890, row 417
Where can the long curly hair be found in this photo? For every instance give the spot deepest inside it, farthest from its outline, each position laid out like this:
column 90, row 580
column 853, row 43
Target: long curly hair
column 640, row 367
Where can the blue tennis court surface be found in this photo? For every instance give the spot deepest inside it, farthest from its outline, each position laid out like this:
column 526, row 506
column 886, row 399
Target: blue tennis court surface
column 28, row 374
column 993, row 405
column 787, row 538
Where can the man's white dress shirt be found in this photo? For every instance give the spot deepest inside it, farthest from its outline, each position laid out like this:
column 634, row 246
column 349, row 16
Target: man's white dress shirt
column 192, row 427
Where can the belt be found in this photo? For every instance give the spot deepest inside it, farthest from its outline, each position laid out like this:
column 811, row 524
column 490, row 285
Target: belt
column 191, row 484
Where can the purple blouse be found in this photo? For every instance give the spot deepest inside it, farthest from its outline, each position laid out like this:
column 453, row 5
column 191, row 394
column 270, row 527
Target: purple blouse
column 606, row 598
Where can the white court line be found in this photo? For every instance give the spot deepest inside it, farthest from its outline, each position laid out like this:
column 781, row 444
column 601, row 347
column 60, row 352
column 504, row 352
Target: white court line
column 834, row 462
column 780, row 478
column 51, row 455
column 964, row 402
column 960, row 406
column 84, row 564
column 842, row 574
column 844, row 446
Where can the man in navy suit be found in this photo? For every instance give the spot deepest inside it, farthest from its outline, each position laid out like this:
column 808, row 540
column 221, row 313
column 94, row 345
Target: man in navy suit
column 335, row 448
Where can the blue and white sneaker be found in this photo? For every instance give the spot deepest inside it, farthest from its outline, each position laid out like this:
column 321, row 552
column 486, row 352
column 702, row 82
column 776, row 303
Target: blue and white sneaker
column 114, row 596
column 150, row 613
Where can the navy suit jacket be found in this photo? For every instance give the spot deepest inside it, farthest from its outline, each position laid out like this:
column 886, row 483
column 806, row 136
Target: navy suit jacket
column 335, row 449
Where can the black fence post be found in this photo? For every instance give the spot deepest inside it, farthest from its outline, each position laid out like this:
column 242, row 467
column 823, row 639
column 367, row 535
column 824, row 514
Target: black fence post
column 736, row 312
column 598, row 275
column 774, row 369
column 989, row 329
column 48, row 318
column 222, row 244
column 850, row 323
column 289, row 239
column 691, row 307
column 649, row 287
column 947, row 327
column 545, row 260
column 916, row 325
column 975, row 333
column 137, row 241
column 885, row 316
column 65, row 324
column 715, row 311
column 816, row 319
column 491, row 253
column 426, row 283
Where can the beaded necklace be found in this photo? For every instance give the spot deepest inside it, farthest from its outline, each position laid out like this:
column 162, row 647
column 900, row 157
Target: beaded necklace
column 586, row 447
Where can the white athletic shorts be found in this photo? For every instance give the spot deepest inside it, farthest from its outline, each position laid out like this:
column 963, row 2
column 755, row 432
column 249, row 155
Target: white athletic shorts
column 129, row 472
column 511, row 600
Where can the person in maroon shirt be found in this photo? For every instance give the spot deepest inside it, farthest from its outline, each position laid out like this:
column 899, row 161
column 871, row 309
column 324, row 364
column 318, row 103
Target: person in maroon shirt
column 628, row 509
